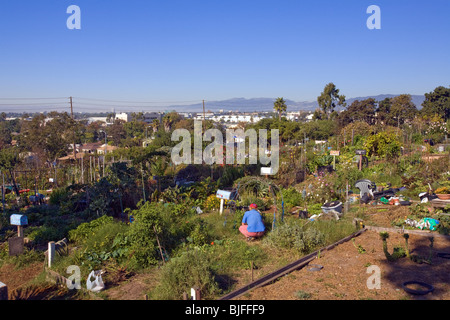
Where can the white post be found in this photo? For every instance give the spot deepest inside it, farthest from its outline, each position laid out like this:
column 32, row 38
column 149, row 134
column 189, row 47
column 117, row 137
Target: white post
column 20, row 231
column 195, row 293
column 51, row 253
column 221, row 205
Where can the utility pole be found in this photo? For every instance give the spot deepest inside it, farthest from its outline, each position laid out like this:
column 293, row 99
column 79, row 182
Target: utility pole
column 204, row 118
column 74, row 148
column 3, row 193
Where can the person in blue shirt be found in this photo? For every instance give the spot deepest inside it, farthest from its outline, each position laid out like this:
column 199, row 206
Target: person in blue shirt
column 252, row 224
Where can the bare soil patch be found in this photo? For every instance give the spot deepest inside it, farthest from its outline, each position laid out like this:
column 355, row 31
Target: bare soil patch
column 344, row 274
column 16, row 278
column 134, row 288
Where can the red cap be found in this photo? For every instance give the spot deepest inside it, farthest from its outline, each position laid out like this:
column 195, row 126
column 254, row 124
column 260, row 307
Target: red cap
column 253, row 206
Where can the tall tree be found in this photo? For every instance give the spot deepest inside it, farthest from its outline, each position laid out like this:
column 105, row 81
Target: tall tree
column 50, row 136
column 437, row 102
column 117, row 132
column 9, row 158
column 155, row 125
column 329, row 99
column 359, row 111
column 384, row 112
column 280, row 106
column 403, row 108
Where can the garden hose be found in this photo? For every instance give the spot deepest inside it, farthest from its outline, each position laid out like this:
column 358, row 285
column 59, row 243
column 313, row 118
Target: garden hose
column 429, row 287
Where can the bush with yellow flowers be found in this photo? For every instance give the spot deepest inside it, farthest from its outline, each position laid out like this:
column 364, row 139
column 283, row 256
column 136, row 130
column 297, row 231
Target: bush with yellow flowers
column 212, row 203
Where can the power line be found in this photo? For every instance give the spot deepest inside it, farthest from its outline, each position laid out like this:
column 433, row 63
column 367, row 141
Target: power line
column 143, row 102
column 32, row 104
column 61, row 98
column 106, row 101
column 111, row 105
column 40, row 104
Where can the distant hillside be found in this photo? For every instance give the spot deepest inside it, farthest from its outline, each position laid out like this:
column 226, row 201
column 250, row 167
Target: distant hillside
column 235, row 104
column 245, row 105
column 266, row 104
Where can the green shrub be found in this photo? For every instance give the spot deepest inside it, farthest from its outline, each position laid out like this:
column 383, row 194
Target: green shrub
column 292, row 235
column 383, row 144
column 45, row 234
column 333, row 230
column 59, row 196
column 302, row 295
column 245, row 199
column 199, row 235
column 444, row 225
column 102, row 239
column 160, row 222
column 229, row 255
column 191, row 268
column 88, row 229
column 291, row 197
column 315, row 209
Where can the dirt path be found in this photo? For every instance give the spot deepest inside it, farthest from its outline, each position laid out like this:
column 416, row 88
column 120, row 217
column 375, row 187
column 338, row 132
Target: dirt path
column 16, row 278
column 134, row 288
column 344, row 275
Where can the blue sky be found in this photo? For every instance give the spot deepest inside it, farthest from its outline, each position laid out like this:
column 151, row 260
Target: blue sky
column 145, row 50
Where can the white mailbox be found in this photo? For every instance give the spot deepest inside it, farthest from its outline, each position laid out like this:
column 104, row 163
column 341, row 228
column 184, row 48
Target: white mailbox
column 222, row 194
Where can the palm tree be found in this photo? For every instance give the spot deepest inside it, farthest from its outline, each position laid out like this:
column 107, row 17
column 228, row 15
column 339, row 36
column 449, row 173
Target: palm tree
column 155, row 125
column 169, row 119
column 280, row 106
column 157, row 168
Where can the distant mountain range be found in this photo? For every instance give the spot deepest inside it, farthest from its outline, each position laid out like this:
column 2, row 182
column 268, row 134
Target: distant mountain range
column 235, row 104
column 266, row 104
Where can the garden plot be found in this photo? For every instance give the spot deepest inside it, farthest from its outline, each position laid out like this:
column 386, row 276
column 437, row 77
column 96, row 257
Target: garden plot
column 344, row 274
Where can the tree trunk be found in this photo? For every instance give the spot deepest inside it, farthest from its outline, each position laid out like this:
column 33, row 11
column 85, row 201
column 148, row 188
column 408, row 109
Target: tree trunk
column 16, row 190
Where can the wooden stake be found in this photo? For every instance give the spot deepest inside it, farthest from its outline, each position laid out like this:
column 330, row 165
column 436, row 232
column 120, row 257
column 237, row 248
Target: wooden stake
column 159, row 245
column 195, row 293
column 221, row 206
column 51, row 253
column 20, row 231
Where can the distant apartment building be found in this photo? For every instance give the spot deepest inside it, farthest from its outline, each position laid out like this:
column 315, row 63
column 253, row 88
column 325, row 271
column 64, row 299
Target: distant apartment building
column 150, row 116
column 230, row 117
column 187, row 115
column 97, row 119
column 107, row 148
column 124, row 116
column 201, row 116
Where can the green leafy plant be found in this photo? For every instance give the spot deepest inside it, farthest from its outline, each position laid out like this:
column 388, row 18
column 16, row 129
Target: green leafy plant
column 398, row 252
column 359, row 247
column 291, row 235
column 383, row 144
column 302, row 295
column 190, row 269
column 88, row 229
column 416, row 258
